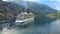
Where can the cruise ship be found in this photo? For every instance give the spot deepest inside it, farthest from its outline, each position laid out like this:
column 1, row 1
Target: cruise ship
column 24, row 18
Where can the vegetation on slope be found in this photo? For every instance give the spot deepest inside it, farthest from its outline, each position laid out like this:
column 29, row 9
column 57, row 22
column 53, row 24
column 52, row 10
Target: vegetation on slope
column 58, row 14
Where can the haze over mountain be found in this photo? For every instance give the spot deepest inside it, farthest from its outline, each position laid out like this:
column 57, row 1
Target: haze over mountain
column 38, row 7
column 26, row 6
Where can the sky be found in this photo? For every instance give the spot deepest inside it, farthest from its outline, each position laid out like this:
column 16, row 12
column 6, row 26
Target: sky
column 55, row 4
column 52, row 3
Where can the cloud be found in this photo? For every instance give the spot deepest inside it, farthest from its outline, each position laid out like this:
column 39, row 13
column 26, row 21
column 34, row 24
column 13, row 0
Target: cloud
column 30, row 0
column 58, row 0
column 51, row 0
column 55, row 0
column 57, row 5
column 7, row 0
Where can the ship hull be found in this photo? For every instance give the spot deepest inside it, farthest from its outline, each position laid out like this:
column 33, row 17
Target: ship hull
column 27, row 21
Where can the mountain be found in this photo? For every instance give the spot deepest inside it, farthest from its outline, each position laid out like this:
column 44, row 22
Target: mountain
column 16, row 8
column 37, row 8
column 40, row 8
column 9, row 11
column 12, row 8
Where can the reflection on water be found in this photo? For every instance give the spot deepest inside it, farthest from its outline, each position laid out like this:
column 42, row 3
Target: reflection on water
column 47, row 28
column 55, row 29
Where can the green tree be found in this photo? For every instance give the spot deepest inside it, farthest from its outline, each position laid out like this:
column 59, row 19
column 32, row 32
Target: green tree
column 58, row 15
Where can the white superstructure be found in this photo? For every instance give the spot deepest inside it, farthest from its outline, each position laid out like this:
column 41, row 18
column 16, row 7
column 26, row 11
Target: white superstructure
column 24, row 18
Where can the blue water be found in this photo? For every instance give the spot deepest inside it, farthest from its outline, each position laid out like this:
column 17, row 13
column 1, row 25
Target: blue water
column 52, row 27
